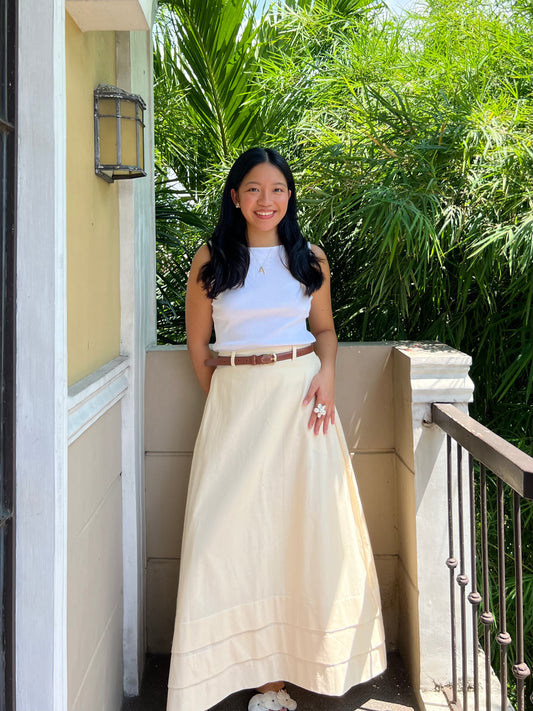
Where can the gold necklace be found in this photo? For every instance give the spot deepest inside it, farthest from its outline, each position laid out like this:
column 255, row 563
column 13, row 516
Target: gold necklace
column 261, row 268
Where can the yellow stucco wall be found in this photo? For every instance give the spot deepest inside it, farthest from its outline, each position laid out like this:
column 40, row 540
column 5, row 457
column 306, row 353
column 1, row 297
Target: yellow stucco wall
column 93, row 247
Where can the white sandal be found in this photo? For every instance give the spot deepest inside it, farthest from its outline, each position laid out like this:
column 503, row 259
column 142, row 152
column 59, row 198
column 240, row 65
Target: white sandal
column 265, row 702
column 272, row 701
column 285, row 700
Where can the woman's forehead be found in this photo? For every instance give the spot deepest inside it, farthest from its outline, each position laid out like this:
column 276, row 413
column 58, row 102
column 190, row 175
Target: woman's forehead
column 264, row 173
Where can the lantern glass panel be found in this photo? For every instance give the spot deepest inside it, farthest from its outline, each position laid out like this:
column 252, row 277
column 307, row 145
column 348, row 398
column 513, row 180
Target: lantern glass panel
column 128, row 129
column 107, row 107
column 141, row 146
column 128, row 108
column 108, row 141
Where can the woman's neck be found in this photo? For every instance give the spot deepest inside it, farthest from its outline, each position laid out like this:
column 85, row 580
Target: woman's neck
column 262, row 239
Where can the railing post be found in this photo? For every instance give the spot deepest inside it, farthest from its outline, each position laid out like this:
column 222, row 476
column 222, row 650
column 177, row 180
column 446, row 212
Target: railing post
column 426, row 373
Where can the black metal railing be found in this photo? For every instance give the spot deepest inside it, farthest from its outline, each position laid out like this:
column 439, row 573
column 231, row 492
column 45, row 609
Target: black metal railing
column 469, row 525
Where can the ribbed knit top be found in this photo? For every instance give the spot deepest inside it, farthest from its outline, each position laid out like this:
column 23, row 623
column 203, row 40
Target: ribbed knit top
column 269, row 310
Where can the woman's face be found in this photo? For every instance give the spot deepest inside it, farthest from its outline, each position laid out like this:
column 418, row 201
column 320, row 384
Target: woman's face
column 263, row 197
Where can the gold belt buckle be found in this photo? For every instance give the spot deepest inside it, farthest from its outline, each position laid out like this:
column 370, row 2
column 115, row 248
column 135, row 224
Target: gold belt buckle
column 268, row 358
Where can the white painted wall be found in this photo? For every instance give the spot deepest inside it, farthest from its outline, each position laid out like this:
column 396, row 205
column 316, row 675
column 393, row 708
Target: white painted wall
column 138, row 330
column 41, row 368
column 43, row 428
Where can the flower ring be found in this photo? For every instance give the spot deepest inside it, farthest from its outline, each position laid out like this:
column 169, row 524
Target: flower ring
column 320, row 410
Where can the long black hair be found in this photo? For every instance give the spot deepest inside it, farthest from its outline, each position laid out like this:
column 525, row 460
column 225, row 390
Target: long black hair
column 230, row 258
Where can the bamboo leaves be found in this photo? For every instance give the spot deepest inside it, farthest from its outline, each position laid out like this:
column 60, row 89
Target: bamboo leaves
column 411, row 143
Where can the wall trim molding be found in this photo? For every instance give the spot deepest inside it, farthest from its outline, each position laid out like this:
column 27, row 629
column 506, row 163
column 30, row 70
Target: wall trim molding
column 93, row 396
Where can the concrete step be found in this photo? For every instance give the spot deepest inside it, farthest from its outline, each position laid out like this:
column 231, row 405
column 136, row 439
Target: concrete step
column 390, row 691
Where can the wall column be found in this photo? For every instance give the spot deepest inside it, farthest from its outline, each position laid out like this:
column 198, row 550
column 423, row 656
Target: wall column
column 137, row 295
column 41, row 367
column 427, row 373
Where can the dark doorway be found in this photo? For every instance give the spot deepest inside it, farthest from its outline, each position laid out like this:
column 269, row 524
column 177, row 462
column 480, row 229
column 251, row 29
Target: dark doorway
column 8, row 36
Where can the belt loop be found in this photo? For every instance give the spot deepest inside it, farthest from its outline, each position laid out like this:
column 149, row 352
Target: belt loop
column 294, row 352
column 233, row 359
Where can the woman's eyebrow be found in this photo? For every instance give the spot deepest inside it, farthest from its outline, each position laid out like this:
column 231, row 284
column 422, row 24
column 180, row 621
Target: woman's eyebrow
column 257, row 182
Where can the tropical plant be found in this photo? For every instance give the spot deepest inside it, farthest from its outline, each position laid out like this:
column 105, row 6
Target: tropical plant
column 213, row 63
column 206, row 56
column 411, row 142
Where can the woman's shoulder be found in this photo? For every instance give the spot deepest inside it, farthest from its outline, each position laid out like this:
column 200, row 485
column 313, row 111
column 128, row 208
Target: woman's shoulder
column 200, row 259
column 317, row 251
column 202, row 256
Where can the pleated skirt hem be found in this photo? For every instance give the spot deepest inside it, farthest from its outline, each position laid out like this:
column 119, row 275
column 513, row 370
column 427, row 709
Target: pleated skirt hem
column 332, row 680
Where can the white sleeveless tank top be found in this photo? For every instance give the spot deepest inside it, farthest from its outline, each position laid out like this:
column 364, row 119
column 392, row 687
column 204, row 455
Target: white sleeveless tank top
column 269, row 310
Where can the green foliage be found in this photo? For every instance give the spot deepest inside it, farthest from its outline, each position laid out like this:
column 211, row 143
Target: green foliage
column 411, row 143
column 422, row 193
column 206, row 58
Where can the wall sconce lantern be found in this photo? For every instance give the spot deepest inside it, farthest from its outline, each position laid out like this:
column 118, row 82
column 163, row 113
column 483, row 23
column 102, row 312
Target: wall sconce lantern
column 118, row 134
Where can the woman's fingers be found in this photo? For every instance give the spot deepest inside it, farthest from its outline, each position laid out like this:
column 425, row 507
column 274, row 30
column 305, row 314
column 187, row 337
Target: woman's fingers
column 323, row 416
column 323, row 412
column 311, row 393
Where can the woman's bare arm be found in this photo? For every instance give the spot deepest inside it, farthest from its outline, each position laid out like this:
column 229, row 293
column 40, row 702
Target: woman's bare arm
column 199, row 320
column 322, row 388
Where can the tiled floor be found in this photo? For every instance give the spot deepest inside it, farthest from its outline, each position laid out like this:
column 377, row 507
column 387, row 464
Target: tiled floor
column 389, row 692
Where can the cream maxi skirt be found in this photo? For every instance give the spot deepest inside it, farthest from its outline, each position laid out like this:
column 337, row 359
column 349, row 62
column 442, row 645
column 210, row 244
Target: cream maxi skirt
column 277, row 577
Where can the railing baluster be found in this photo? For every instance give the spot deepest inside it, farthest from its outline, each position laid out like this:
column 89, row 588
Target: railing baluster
column 487, row 617
column 520, row 669
column 514, row 468
column 452, row 564
column 462, row 578
column 474, row 597
column 503, row 638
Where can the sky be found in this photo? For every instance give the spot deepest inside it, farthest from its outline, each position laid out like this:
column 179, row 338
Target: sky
column 397, row 6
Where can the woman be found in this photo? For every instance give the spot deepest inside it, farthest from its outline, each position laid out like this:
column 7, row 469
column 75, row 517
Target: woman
column 277, row 578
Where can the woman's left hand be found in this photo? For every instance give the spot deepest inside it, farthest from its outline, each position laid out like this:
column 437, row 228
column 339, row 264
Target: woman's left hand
column 321, row 392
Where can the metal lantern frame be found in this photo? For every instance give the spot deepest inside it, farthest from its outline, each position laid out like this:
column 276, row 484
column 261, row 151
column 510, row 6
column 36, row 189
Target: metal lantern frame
column 119, row 170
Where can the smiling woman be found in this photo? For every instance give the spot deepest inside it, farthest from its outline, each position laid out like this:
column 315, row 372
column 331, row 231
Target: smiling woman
column 251, row 610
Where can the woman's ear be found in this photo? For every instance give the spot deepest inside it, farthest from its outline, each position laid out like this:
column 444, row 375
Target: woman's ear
column 235, row 197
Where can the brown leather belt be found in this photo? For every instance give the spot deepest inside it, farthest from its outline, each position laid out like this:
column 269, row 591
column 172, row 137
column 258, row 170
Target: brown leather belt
column 264, row 359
